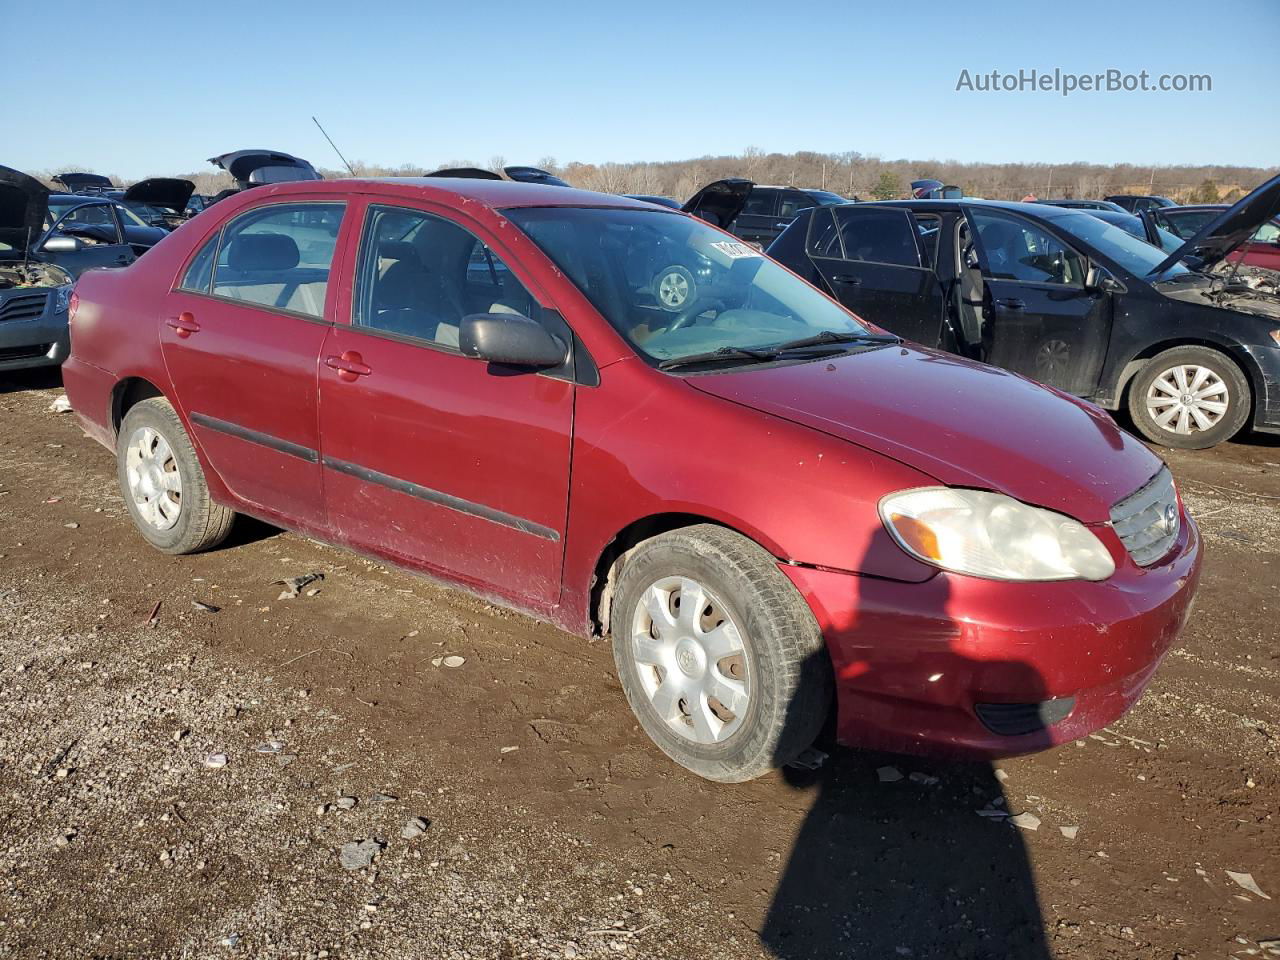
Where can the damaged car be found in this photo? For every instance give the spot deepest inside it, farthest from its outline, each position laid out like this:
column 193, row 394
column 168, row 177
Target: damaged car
column 160, row 201
column 253, row 168
column 771, row 508
column 1185, row 340
column 86, row 184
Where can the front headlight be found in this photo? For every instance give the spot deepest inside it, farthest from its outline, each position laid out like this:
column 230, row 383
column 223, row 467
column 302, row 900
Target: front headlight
column 990, row 535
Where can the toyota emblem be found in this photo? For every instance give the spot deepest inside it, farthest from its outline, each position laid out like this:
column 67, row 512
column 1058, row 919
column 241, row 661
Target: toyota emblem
column 1170, row 520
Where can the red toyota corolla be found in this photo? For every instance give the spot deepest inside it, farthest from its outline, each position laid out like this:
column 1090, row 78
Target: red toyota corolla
column 625, row 421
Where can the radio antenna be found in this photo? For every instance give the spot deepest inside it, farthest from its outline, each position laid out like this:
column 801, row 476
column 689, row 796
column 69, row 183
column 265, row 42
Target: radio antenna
column 335, row 147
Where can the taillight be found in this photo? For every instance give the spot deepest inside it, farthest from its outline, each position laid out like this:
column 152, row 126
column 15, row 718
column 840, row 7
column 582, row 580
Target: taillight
column 73, row 305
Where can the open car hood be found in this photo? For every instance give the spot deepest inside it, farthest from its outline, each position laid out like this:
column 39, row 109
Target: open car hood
column 167, row 192
column 720, row 201
column 75, row 182
column 533, row 175
column 1220, row 237
column 24, row 202
column 250, row 168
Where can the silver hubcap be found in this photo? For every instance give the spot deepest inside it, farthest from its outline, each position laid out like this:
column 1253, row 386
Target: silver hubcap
column 673, row 289
column 1188, row 398
column 691, row 660
column 154, row 482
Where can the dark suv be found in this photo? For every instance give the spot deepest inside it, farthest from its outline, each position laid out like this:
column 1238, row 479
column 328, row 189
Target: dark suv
column 1068, row 299
column 770, row 210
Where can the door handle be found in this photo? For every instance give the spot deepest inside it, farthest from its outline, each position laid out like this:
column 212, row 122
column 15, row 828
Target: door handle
column 349, row 366
column 847, row 278
column 782, row 224
column 184, row 324
column 1012, row 303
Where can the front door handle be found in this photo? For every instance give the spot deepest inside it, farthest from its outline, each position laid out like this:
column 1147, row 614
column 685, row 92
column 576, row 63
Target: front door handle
column 184, row 324
column 847, row 278
column 782, row 224
column 350, row 366
column 1012, row 303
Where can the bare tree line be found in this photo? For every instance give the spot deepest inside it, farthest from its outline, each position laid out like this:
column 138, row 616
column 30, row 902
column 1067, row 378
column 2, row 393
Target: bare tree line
column 852, row 174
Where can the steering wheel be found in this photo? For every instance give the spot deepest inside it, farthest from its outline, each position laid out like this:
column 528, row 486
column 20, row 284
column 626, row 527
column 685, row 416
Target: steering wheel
column 699, row 306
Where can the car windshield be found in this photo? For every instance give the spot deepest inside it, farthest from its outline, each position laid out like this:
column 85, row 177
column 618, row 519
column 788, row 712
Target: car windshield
column 1116, row 243
column 675, row 287
column 826, row 198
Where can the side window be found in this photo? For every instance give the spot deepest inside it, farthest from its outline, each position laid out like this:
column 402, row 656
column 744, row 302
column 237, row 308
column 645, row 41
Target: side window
column 761, row 202
column 930, row 229
column 419, row 275
column 278, row 256
column 824, row 238
column 878, row 236
column 200, row 272
column 1267, row 233
column 93, row 220
column 1019, row 250
column 793, row 201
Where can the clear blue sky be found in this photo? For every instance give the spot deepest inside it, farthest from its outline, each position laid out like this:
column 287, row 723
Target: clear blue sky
column 139, row 88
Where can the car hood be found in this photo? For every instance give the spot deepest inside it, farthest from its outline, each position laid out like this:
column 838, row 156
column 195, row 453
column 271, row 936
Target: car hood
column 167, row 192
column 963, row 423
column 1220, row 237
column 24, row 203
column 75, row 182
column 720, row 201
column 273, row 166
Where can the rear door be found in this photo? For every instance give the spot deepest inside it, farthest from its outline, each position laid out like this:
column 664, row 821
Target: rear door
column 1038, row 318
column 435, row 459
column 758, row 221
column 876, row 263
column 241, row 334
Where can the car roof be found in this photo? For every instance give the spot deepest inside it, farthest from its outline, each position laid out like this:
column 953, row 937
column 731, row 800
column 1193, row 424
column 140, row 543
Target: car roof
column 495, row 194
column 1045, row 211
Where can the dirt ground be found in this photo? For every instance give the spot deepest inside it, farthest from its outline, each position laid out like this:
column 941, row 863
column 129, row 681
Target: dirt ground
column 553, row 828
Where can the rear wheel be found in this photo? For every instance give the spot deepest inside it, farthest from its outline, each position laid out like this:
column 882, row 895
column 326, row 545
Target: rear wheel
column 1190, row 397
column 163, row 483
column 719, row 655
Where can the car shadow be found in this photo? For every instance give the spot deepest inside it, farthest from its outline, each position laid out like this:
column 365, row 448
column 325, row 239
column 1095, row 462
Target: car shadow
column 893, row 858
column 39, row 378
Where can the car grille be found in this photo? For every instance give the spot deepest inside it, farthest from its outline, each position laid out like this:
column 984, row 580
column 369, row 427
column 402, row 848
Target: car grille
column 23, row 306
column 1147, row 521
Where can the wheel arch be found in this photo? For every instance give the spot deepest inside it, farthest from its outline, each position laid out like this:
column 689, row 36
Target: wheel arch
column 1232, row 351
column 126, row 394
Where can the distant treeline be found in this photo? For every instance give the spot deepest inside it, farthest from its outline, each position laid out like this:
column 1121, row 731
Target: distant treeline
column 855, row 175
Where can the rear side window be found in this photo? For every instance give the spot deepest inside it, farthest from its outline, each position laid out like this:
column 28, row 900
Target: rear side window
column 761, row 202
column 878, row 236
column 793, row 201
column 824, row 238
column 200, row 272
column 279, row 257
column 1185, row 225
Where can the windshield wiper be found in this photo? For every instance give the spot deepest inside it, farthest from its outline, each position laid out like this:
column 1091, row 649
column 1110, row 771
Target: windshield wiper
column 721, row 355
column 832, row 336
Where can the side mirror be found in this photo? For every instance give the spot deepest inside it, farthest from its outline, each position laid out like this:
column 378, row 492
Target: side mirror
column 510, row 338
column 1101, row 280
column 61, row 244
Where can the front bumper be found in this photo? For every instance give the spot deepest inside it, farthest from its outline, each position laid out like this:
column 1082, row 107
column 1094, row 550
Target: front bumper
column 915, row 662
column 1266, row 412
column 43, row 341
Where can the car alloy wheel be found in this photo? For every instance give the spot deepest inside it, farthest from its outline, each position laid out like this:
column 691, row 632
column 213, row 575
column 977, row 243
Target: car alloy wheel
column 674, row 288
column 154, row 481
column 691, row 660
column 1187, row 398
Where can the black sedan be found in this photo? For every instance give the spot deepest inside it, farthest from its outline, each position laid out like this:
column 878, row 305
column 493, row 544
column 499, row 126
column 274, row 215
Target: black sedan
column 1066, row 298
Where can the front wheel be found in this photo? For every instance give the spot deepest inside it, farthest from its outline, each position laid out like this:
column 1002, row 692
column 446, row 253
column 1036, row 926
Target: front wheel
column 1190, row 397
column 718, row 654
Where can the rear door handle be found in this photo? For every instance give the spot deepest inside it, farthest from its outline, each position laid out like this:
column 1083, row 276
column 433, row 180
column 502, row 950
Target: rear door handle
column 350, row 366
column 848, row 278
column 184, row 324
column 782, row 224
column 1012, row 303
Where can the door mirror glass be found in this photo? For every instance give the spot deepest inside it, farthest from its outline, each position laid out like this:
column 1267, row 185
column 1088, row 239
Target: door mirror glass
column 510, row 338
column 61, row 244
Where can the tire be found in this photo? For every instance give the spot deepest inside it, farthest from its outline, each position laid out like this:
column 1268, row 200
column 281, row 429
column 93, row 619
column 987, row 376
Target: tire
column 151, row 450
column 782, row 668
column 675, row 288
column 1201, row 417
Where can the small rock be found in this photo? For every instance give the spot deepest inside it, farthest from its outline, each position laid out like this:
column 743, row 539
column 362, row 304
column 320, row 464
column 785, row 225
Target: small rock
column 416, row 827
column 1026, row 820
column 1001, row 775
column 215, row 761
column 1246, row 880
column 454, row 661
column 322, row 810
column 358, row 854
column 72, row 525
column 889, row 774
column 508, row 749
column 1069, row 832
column 346, row 803
column 60, row 405
column 271, row 746
column 205, row 607
column 383, row 798
column 924, row 779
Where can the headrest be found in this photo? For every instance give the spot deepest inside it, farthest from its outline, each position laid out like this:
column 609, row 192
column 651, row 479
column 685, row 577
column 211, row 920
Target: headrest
column 397, row 250
column 263, row 251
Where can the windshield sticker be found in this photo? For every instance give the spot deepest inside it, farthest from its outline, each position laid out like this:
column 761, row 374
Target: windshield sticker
column 736, row 251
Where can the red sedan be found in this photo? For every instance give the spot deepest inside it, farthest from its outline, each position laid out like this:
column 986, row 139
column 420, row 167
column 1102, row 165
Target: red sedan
column 766, row 503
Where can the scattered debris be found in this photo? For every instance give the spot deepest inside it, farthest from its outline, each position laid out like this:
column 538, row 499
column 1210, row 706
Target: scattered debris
column 1001, row 775
column 358, row 854
column 206, row 607
column 155, row 613
column 1069, row 832
column 293, row 585
column 60, row 405
column 1026, row 820
column 992, row 813
column 889, row 774
column 810, row 758
column 215, row 761
column 271, row 746
column 1246, row 880
column 453, row 660
column 383, row 798
column 346, row 803
column 72, row 525
column 508, row 749
column 416, row 827
column 924, row 779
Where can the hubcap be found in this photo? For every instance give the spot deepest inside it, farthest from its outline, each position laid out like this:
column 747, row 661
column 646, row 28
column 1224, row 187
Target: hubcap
column 691, row 660
column 673, row 289
column 1187, row 398
column 154, row 482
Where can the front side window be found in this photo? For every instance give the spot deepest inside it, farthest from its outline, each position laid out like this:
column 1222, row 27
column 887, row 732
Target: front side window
column 1137, row 256
column 761, row 202
column 1267, row 233
column 1017, row 249
column 419, row 275
column 91, row 220
column 793, row 201
column 279, row 256
column 878, row 236
column 675, row 287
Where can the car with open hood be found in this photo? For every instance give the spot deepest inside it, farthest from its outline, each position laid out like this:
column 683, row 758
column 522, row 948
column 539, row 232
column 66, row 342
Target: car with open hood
column 1182, row 338
column 1262, row 249
column 160, row 201
column 768, row 505
column 84, row 183
column 253, row 168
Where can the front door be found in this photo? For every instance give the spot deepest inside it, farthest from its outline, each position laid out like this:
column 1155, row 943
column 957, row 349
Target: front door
column 432, row 458
column 241, row 337
column 101, row 242
column 1039, row 319
column 876, row 263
